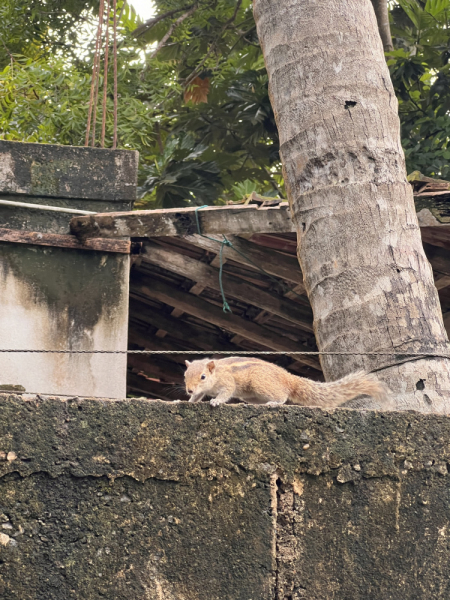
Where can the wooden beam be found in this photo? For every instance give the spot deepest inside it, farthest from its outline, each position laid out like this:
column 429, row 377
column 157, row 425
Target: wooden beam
column 275, row 242
column 154, row 389
column 441, row 281
column 439, row 258
column 208, row 276
column 274, row 263
column 265, row 316
column 437, row 236
column 182, row 221
column 196, row 289
column 35, row 238
column 202, row 309
column 178, row 329
column 139, row 336
column 157, row 367
column 446, row 317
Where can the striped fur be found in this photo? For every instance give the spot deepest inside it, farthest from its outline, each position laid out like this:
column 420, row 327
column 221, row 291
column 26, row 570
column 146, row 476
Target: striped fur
column 259, row 382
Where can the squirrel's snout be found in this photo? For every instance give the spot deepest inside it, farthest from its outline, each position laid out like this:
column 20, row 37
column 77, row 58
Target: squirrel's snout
column 190, row 391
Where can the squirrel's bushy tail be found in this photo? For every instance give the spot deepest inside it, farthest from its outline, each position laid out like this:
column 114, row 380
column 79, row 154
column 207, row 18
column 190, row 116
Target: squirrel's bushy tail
column 335, row 393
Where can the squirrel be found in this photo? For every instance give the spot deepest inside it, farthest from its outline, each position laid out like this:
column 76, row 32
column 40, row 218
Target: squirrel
column 259, row 382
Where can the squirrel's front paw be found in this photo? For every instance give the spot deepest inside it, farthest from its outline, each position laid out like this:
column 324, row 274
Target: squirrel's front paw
column 215, row 402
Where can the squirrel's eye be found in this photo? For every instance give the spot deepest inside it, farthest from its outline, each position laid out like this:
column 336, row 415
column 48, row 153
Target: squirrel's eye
column 203, row 377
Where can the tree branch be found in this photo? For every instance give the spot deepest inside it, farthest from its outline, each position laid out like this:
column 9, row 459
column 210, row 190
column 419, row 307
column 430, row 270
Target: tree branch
column 6, row 48
column 154, row 20
column 213, row 46
column 163, row 41
column 382, row 13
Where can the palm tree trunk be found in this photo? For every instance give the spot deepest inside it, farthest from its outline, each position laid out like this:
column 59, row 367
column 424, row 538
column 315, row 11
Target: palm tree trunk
column 382, row 14
column 367, row 277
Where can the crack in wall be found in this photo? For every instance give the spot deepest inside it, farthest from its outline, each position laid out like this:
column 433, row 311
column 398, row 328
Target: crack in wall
column 286, row 505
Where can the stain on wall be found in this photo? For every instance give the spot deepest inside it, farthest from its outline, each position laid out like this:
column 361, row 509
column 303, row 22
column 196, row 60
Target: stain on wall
column 63, row 299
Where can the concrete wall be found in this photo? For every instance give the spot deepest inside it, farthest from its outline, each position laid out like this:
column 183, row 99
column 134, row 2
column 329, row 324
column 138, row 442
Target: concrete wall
column 151, row 501
column 59, row 298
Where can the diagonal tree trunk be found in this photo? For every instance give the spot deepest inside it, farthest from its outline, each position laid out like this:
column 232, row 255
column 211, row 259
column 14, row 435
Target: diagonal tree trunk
column 366, row 274
column 382, row 14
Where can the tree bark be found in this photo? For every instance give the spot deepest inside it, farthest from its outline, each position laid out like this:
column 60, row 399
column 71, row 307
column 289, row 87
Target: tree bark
column 382, row 14
column 365, row 271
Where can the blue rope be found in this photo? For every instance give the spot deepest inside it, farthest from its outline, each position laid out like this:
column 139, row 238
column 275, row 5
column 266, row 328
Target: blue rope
column 225, row 306
column 225, row 242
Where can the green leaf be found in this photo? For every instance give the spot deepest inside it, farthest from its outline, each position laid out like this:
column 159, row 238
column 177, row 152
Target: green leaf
column 244, row 189
column 412, row 9
column 435, row 7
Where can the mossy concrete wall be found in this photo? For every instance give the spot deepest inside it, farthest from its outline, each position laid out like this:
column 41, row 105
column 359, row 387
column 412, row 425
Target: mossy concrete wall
column 61, row 298
column 151, row 500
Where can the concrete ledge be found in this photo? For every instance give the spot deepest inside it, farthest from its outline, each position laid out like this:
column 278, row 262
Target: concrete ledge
column 48, row 170
column 151, row 500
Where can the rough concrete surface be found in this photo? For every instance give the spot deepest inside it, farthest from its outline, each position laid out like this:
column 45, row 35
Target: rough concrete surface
column 59, row 299
column 68, row 171
column 152, row 500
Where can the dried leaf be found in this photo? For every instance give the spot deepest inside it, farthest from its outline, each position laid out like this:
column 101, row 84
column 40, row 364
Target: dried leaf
column 197, row 91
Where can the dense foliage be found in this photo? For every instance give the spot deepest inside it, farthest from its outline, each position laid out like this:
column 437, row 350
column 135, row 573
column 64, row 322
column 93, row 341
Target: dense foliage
column 420, row 70
column 197, row 105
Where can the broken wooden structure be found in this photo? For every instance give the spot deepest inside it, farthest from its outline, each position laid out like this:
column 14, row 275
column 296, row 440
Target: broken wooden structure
column 69, row 291
column 175, row 299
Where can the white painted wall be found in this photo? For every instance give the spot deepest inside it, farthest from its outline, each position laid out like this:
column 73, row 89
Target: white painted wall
column 27, row 322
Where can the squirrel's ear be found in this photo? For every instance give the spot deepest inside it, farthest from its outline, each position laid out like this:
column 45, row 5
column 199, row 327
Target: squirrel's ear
column 211, row 366
column 187, row 363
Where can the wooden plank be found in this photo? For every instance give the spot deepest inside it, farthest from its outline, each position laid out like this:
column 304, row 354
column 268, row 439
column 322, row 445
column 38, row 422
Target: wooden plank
column 265, row 316
column 275, row 242
column 156, row 367
column 208, row 276
column 226, row 220
column 139, row 336
column 437, row 236
column 153, row 389
column 142, row 338
column 439, row 258
column 441, row 281
column 206, row 311
column 446, row 318
column 274, row 263
column 178, row 329
column 196, row 289
column 55, row 240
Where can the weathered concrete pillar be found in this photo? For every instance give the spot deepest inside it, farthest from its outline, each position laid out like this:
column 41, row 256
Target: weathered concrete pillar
column 158, row 501
column 62, row 298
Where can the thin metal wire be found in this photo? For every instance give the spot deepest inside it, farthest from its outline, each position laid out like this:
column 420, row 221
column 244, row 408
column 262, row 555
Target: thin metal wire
column 233, row 352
